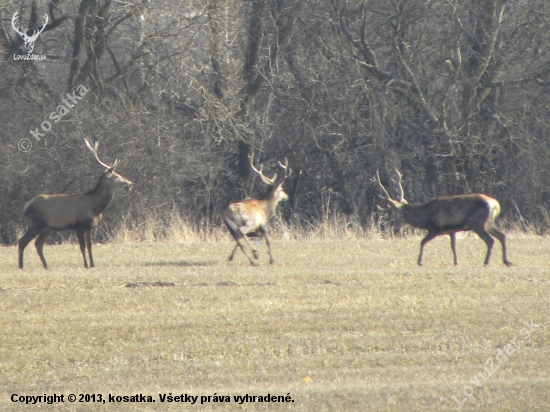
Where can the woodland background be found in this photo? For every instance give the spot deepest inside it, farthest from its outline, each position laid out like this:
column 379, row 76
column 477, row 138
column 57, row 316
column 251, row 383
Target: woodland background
column 454, row 93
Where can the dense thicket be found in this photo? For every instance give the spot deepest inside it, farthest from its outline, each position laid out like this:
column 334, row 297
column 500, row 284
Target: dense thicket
column 454, row 93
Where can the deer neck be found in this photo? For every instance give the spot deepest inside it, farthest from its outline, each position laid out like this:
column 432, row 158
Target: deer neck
column 271, row 207
column 100, row 197
column 414, row 215
column 268, row 202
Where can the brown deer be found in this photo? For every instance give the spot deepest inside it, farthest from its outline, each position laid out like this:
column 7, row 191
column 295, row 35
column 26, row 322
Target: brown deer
column 78, row 212
column 448, row 215
column 249, row 217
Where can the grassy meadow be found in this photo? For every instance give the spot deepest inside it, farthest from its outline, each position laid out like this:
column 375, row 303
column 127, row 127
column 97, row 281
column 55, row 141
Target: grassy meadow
column 339, row 325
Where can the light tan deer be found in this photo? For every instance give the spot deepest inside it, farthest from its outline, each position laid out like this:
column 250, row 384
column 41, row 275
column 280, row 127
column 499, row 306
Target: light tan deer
column 448, row 215
column 249, row 217
column 78, row 212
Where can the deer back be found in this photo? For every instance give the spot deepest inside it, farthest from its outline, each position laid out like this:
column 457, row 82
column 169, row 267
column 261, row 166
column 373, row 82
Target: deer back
column 452, row 213
column 60, row 212
column 251, row 213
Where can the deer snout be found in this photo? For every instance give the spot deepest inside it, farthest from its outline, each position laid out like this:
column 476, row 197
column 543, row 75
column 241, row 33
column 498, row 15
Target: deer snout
column 124, row 184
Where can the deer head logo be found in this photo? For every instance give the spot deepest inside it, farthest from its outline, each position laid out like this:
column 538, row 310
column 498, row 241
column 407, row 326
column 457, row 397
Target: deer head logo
column 29, row 41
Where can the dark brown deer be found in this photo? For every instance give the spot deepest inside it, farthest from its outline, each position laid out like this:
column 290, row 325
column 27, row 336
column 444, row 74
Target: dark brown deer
column 78, row 212
column 448, row 215
column 249, row 217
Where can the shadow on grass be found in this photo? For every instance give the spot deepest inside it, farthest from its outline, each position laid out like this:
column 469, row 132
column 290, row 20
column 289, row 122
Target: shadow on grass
column 157, row 284
column 181, row 263
column 231, row 283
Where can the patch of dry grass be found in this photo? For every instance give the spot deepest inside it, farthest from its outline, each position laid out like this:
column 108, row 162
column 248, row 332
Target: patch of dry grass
column 341, row 325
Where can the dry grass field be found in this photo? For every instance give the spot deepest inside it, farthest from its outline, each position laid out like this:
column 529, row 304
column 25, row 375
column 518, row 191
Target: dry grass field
column 339, row 325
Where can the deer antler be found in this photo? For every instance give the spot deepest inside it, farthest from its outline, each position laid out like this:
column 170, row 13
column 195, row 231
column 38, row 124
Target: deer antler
column 265, row 179
column 401, row 191
column 388, row 197
column 94, row 151
column 288, row 171
column 382, row 186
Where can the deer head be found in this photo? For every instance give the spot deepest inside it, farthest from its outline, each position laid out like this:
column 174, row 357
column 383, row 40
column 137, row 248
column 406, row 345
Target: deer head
column 115, row 181
column 396, row 205
column 275, row 186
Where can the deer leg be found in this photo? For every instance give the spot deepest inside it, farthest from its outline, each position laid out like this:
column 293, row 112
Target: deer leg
column 39, row 244
column 264, row 233
column 502, row 239
column 234, row 230
column 426, row 239
column 486, row 237
column 88, row 239
column 246, row 254
column 237, row 235
column 233, row 253
column 254, row 251
column 453, row 246
column 24, row 241
column 82, row 243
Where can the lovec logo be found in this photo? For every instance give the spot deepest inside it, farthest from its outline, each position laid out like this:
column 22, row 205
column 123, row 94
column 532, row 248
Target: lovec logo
column 29, row 40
